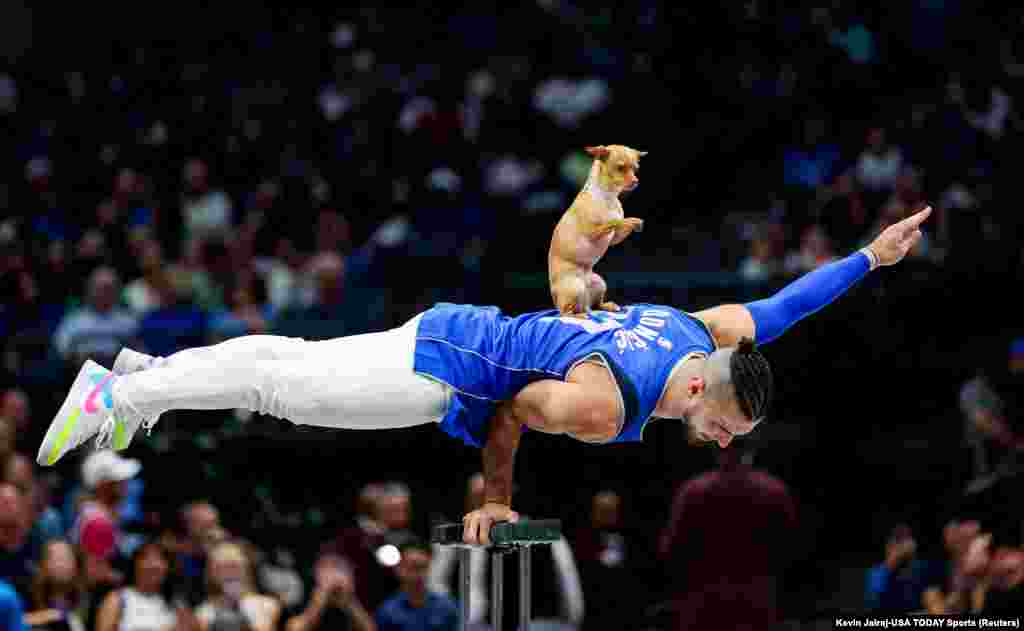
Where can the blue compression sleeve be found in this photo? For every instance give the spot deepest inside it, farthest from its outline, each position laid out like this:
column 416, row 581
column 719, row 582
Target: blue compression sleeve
column 806, row 295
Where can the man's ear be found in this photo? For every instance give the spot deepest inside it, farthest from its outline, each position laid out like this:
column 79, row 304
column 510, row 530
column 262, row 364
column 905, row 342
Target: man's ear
column 600, row 152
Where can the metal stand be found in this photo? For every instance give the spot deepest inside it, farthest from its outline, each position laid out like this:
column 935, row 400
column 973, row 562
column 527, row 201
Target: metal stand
column 505, row 539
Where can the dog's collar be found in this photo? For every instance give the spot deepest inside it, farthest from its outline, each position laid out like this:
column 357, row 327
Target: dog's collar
column 595, row 189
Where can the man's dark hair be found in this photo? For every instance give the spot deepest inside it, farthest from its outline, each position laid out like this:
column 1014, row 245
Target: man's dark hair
column 752, row 379
column 412, row 544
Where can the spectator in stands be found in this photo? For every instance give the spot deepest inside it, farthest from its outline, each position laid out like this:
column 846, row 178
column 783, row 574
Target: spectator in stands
column 762, row 262
column 202, row 532
column 334, row 605
column 248, row 313
column 815, row 251
column 58, row 599
column 359, row 544
column 324, row 312
column 727, row 554
column 143, row 603
column 233, row 602
column 207, row 211
column 811, row 164
column 97, row 529
column 153, row 289
column 16, row 407
column 958, row 588
column 415, row 607
column 46, row 521
column 1004, row 593
column 897, row 584
column 879, row 163
column 99, row 329
column 11, row 608
column 7, row 440
column 16, row 563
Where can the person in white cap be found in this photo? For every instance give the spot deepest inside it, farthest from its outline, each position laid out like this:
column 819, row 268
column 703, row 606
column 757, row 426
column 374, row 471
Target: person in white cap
column 96, row 529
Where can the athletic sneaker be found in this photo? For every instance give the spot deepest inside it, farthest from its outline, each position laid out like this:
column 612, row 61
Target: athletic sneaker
column 87, row 408
column 129, row 361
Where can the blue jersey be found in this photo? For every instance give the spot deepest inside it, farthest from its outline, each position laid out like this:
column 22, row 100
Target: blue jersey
column 487, row 357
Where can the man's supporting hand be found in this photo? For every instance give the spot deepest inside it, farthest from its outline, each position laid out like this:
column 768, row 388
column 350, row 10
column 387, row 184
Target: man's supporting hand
column 476, row 526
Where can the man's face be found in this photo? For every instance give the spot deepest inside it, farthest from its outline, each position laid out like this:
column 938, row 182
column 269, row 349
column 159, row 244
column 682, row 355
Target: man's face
column 718, row 419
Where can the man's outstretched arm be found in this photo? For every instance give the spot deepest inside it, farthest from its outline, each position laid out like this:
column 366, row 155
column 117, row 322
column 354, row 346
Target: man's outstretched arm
column 766, row 320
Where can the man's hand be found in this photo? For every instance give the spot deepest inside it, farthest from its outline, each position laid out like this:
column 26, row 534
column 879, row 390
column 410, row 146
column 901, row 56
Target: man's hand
column 895, row 241
column 476, row 526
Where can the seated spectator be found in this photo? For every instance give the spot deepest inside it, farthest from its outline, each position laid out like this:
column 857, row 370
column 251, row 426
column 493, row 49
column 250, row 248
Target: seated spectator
column 897, row 584
column 99, row 329
column 232, row 600
column 880, row 163
column 208, row 212
column 762, row 262
column 8, row 434
column 248, row 313
column 334, row 605
column 414, row 607
column 151, row 290
column 58, row 600
column 11, row 608
column 960, row 588
column 815, row 251
column 98, row 529
column 202, row 532
column 143, row 603
column 16, row 563
column 16, row 407
column 46, row 521
column 1004, row 595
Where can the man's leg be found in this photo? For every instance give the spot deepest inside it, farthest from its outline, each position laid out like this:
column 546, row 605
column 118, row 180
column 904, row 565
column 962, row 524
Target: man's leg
column 248, row 347
column 360, row 382
column 357, row 382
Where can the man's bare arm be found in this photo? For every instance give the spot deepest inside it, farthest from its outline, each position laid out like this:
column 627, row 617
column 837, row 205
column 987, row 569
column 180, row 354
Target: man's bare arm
column 584, row 407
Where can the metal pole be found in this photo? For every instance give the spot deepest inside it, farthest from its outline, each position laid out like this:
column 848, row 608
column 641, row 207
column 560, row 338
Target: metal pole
column 464, row 587
column 497, row 588
column 525, row 583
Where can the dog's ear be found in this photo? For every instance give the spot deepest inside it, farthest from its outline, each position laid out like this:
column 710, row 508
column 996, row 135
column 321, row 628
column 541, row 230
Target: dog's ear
column 600, row 152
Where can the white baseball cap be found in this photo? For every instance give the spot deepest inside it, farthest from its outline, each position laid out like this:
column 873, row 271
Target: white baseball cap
column 107, row 466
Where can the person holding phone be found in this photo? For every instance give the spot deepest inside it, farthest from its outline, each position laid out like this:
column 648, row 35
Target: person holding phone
column 334, row 604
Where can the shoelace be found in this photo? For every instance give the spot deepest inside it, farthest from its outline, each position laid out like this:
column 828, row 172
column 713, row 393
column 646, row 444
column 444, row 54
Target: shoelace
column 105, row 437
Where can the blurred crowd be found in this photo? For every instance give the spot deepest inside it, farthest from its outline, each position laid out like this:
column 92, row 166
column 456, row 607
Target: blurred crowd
column 286, row 177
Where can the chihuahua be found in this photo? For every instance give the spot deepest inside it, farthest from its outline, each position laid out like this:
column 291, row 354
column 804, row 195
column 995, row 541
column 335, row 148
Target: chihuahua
column 593, row 222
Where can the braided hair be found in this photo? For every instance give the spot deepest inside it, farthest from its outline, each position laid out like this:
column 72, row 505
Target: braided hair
column 752, row 379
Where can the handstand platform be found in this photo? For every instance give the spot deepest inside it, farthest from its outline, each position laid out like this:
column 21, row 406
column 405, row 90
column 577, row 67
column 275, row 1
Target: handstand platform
column 506, row 538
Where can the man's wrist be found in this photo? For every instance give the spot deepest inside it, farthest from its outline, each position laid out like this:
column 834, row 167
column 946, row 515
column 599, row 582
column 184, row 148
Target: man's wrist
column 873, row 260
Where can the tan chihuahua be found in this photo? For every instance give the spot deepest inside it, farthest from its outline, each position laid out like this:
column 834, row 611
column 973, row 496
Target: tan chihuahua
column 593, row 222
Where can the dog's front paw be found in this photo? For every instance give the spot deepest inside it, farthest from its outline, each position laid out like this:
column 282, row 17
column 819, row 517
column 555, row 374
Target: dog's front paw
column 609, row 306
column 633, row 223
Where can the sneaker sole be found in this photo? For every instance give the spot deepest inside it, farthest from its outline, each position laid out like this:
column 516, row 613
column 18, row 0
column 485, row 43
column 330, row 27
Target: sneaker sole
column 67, row 418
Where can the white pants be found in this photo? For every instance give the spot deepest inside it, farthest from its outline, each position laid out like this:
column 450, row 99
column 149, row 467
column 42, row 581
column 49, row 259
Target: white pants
column 357, row 382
